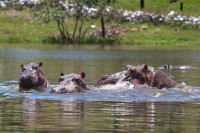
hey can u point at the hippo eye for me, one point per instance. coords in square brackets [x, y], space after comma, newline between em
[23, 69]
[104, 78]
[34, 68]
[138, 76]
[77, 80]
[60, 79]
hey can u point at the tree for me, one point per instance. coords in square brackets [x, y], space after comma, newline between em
[62, 11]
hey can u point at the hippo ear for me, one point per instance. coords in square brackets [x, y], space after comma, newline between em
[40, 64]
[82, 75]
[128, 66]
[61, 74]
[145, 68]
[22, 65]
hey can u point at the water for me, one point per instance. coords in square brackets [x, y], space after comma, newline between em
[119, 108]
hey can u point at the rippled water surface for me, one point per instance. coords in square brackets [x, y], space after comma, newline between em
[106, 109]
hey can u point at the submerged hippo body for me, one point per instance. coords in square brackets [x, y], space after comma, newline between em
[181, 67]
[32, 77]
[150, 76]
[110, 79]
[70, 83]
[161, 80]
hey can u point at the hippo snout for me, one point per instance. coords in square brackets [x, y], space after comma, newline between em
[61, 90]
[28, 81]
[52, 90]
[27, 78]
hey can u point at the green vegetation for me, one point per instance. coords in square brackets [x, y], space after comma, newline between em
[162, 34]
[190, 7]
[20, 27]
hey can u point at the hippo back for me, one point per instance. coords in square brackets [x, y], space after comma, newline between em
[161, 80]
[110, 79]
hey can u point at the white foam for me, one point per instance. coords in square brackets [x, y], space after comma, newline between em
[158, 94]
[117, 86]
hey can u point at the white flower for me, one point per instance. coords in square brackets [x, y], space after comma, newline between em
[171, 13]
[93, 26]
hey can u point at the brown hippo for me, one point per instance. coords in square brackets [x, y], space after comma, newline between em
[148, 75]
[32, 77]
[121, 76]
[139, 75]
[181, 67]
[70, 83]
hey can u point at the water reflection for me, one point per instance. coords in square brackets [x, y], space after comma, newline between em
[72, 115]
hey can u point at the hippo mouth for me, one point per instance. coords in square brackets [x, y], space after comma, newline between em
[64, 90]
[68, 89]
[28, 82]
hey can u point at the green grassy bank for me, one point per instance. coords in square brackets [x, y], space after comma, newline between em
[190, 7]
[19, 27]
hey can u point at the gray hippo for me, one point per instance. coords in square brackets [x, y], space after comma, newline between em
[32, 77]
[181, 67]
[70, 83]
[150, 76]
[110, 79]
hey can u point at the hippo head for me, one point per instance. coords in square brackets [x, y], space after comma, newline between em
[106, 79]
[139, 76]
[70, 83]
[31, 76]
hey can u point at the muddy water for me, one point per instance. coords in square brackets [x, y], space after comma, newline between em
[108, 109]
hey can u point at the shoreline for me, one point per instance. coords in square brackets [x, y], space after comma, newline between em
[143, 47]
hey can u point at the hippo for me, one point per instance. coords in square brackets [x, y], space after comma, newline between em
[181, 67]
[120, 76]
[110, 79]
[150, 76]
[32, 77]
[161, 80]
[70, 83]
[139, 75]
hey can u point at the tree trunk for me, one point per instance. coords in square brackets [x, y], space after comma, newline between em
[80, 29]
[62, 35]
[102, 27]
[77, 19]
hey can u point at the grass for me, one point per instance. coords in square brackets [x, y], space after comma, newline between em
[190, 7]
[162, 34]
[19, 27]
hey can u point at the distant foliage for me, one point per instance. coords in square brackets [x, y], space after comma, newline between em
[62, 11]
[173, 1]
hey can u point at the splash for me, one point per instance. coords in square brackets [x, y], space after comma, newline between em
[118, 86]
[187, 89]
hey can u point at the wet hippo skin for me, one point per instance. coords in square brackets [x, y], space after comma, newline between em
[110, 79]
[32, 76]
[70, 83]
[150, 76]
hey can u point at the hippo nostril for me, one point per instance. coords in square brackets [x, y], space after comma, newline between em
[62, 90]
[52, 90]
